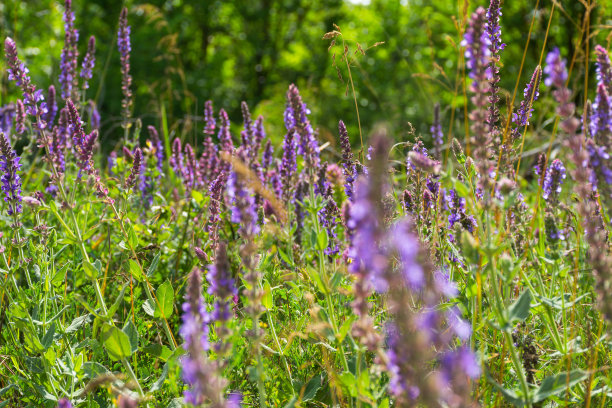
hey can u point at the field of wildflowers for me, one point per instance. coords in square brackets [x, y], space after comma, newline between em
[438, 270]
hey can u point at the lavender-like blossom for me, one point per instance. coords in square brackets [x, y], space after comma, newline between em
[223, 288]
[288, 165]
[244, 211]
[555, 69]
[553, 180]
[493, 31]
[19, 73]
[201, 374]
[296, 119]
[64, 403]
[111, 161]
[601, 117]
[125, 47]
[477, 55]
[7, 114]
[247, 133]
[51, 107]
[209, 119]
[348, 161]
[135, 170]
[436, 131]
[190, 172]
[209, 161]
[601, 174]
[259, 134]
[604, 71]
[10, 180]
[158, 149]
[521, 117]
[89, 62]
[177, 161]
[20, 117]
[70, 54]
[556, 76]
[83, 144]
[267, 156]
[225, 137]
[217, 186]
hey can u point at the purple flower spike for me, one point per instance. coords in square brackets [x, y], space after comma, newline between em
[225, 137]
[493, 31]
[89, 62]
[601, 118]
[555, 69]
[51, 107]
[19, 73]
[10, 180]
[83, 144]
[209, 119]
[553, 180]
[288, 164]
[125, 47]
[20, 117]
[222, 285]
[158, 149]
[604, 72]
[177, 160]
[136, 169]
[348, 161]
[64, 403]
[436, 131]
[296, 119]
[244, 211]
[70, 52]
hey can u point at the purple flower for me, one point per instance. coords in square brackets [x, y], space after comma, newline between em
[476, 42]
[158, 149]
[407, 246]
[125, 47]
[89, 62]
[348, 161]
[259, 134]
[244, 211]
[599, 163]
[521, 117]
[51, 106]
[83, 144]
[458, 364]
[136, 169]
[70, 52]
[225, 137]
[436, 131]
[555, 69]
[296, 119]
[604, 72]
[600, 125]
[553, 180]
[19, 73]
[209, 119]
[10, 180]
[288, 165]
[267, 156]
[222, 285]
[64, 403]
[20, 117]
[177, 160]
[217, 186]
[493, 31]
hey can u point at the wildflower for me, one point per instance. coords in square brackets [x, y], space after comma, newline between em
[51, 106]
[223, 288]
[334, 175]
[288, 164]
[136, 169]
[70, 52]
[348, 161]
[601, 117]
[83, 144]
[436, 131]
[177, 160]
[19, 73]
[267, 156]
[7, 114]
[125, 47]
[19, 117]
[493, 32]
[158, 149]
[296, 119]
[64, 403]
[225, 138]
[259, 134]
[88, 62]
[209, 119]
[604, 72]
[10, 180]
[521, 117]
[553, 181]
[216, 189]
[244, 211]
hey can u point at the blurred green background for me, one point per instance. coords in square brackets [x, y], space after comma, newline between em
[188, 51]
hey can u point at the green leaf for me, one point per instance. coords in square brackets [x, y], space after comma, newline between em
[157, 350]
[312, 388]
[132, 237]
[349, 382]
[135, 270]
[116, 342]
[154, 264]
[132, 334]
[556, 384]
[77, 323]
[93, 369]
[267, 300]
[47, 339]
[284, 257]
[160, 381]
[91, 271]
[519, 310]
[322, 240]
[149, 308]
[115, 306]
[165, 300]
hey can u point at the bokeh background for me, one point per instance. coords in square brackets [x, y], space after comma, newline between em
[188, 51]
